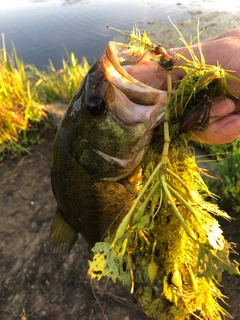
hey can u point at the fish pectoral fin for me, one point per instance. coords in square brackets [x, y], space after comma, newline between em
[62, 235]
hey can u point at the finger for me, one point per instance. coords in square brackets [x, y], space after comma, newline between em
[222, 131]
[221, 109]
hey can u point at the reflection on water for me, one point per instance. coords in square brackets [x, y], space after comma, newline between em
[73, 1]
[37, 1]
[41, 28]
[63, 1]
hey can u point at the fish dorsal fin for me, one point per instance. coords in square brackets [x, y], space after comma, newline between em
[62, 235]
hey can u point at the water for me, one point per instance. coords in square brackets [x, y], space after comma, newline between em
[41, 29]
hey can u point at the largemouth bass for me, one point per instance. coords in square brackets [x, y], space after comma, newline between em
[100, 146]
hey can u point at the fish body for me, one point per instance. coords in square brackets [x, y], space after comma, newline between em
[99, 148]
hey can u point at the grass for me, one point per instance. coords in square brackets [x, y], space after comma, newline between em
[18, 102]
[227, 168]
[23, 91]
[61, 84]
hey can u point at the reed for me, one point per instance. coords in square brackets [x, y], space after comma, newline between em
[23, 91]
[61, 85]
[18, 102]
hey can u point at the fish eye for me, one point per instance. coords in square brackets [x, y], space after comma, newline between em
[96, 106]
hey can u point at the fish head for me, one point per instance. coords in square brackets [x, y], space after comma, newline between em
[111, 118]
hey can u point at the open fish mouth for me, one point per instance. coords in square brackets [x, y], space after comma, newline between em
[139, 72]
[135, 77]
[137, 69]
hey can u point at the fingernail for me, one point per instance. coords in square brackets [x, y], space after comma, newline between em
[232, 128]
[231, 104]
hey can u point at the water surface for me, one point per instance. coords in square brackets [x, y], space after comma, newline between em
[40, 29]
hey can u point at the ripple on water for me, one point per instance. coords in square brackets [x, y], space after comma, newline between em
[40, 29]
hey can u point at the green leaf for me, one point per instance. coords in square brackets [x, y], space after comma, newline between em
[108, 262]
[103, 263]
[214, 262]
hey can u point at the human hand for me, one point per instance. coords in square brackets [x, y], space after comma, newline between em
[224, 124]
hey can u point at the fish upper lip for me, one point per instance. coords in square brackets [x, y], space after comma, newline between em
[112, 53]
